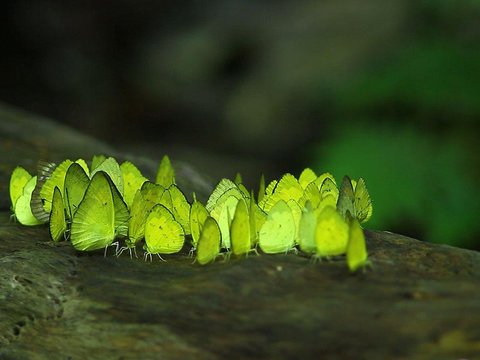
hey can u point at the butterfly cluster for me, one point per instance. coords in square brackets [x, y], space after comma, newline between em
[93, 206]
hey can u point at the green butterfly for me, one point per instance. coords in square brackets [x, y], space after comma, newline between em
[331, 233]
[354, 199]
[288, 188]
[240, 232]
[307, 176]
[221, 206]
[101, 216]
[198, 215]
[132, 181]
[307, 228]
[208, 247]
[166, 173]
[58, 222]
[357, 256]
[18, 180]
[110, 166]
[21, 188]
[76, 183]
[277, 234]
[163, 234]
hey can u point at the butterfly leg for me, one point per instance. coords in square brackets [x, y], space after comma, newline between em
[316, 259]
[162, 259]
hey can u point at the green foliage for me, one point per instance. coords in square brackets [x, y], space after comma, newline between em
[414, 179]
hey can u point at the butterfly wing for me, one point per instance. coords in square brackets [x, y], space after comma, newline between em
[166, 173]
[23, 211]
[306, 232]
[346, 198]
[57, 223]
[240, 234]
[208, 246]
[132, 181]
[163, 234]
[363, 203]
[277, 234]
[198, 215]
[76, 183]
[93, 225]
[180, 207]
[18, 180]
[357, 256]
[111, 167]
[331, 233]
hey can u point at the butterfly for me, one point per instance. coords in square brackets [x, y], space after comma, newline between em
[240, 232]
[331, 233]
[198, 215]
[132, 181]
[354, 199]
[21, 188]
[58, 223]
[357, 256]
[166, 173]
[208, 247]
[163, 234]
[277, 234]
[101, 216]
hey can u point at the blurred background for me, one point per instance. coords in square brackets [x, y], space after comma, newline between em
[386, 90]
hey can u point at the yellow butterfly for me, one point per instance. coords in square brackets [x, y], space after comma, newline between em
[93, 225]
[163, 234]
[288, 188]
[307, 228]
[53, 176]
[277, 234]
[357, 256]
[208, 247]
[22, 185]
[180, 207]
[97, 160]
[75, 185]
[165, 173]
[354, 200]
[132, 181]
[307, 176]
[58, 222]
[198, 215]
[112, 169]
[240, 233]
[331, 233]
[18, 180]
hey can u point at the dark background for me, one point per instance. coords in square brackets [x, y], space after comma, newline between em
[389, 91]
